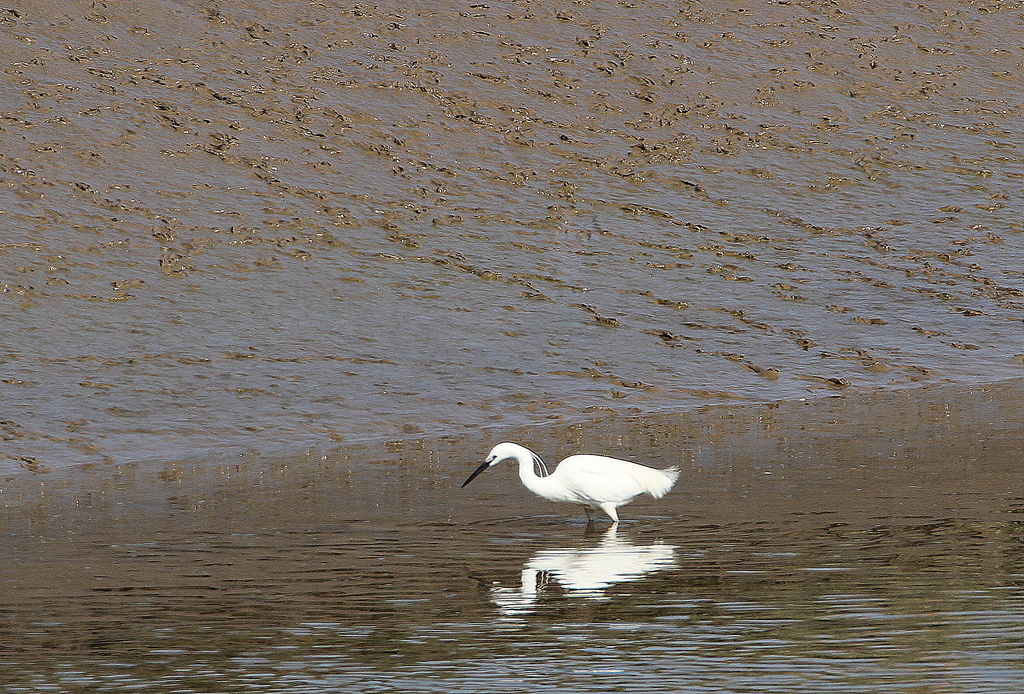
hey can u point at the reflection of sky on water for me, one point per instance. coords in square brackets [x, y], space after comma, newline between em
[584, 572]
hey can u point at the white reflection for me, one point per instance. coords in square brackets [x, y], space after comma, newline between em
[584, 572]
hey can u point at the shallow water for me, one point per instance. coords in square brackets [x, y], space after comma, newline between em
[273, 227]
[850, 544]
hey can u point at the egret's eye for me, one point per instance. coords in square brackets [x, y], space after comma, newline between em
[490, 459]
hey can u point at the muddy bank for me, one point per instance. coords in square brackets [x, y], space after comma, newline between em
[961, 429]
[232, 228]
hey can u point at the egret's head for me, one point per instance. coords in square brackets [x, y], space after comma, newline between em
[499, 453]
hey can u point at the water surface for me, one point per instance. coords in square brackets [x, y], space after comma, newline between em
[850, 544]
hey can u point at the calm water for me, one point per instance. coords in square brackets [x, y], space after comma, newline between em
[856, 544]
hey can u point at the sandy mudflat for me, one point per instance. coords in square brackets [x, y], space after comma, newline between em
[277, 228]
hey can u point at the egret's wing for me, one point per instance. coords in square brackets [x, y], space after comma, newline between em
[593, 482]
[599, 478]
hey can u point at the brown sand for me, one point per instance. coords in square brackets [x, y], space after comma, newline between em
[270, 227]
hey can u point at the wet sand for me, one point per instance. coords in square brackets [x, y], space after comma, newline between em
[848, 544]
[235, 229]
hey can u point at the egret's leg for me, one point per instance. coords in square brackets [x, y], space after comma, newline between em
[609, 508]
[590, 515]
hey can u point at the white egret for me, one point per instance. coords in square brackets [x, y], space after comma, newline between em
[592, 481]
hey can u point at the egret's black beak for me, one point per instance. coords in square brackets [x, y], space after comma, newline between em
[476, 472]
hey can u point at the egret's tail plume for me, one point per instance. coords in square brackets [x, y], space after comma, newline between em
[666, 478]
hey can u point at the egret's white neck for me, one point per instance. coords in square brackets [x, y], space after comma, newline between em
[534, 482]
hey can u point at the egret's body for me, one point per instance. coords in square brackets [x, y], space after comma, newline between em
[592, 481]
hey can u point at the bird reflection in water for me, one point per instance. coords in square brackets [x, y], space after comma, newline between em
[584, 573]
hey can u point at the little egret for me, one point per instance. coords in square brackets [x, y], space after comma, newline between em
[593, 481]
